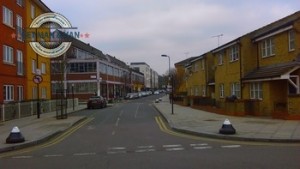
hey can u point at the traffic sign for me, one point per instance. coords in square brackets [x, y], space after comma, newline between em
[37, 79]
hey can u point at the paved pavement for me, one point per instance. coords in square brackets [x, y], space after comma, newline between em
[188, 120]
[37, 130]
[184, 119]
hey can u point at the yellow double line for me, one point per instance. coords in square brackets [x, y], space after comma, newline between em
[162, 126]
[52, 142]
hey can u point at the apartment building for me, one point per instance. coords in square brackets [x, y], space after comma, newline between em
[255, 74]
[146, 70]
[13, 50]
[36, 64]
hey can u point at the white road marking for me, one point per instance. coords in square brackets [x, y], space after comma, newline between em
[117, 123]
[117, 148]
[53, 155]
[116, 152]
[150, 146]
[175, 149]
[197, 145]
[144, 150]
[121, 113]
[136, 111]
[174, 145]
[22, 157]
[113, 133]
[231, 146]
[84, 154]
[202, 148]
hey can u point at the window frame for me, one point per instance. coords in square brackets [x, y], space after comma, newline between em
[256, 91]
[292, 40]
[19, 27]
[8, 93]
[20, 62]
[236, 89]
[222, 91]
[8, 54]
[234, 53]
[6, 12]
[268, 47]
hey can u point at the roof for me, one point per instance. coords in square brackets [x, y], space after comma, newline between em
[272, 71]
[186, 61]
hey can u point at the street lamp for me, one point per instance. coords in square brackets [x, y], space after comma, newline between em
[73, 96]
[172, 93]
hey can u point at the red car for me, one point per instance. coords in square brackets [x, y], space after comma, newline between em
[96, 102]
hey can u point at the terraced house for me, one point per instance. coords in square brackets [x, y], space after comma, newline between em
[255, 74]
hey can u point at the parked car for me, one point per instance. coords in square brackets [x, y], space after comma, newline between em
[96, 102]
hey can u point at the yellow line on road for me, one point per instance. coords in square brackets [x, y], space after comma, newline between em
[52, 142]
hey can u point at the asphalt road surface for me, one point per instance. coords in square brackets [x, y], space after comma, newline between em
[132, 135]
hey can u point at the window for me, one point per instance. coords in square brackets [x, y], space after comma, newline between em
[221, 90]
[195, 66]
[7, 16]
[32, 11]
[268, 47]
[44, 93]
[235, 90]
[8, 54]
[202, 64]
[203, 90]
[234, 53]
[196, 90]
[220, 59]
[33, 66]
[291, 40]
[43, 68]
[34, 92]
[20, 93]
[8, 92]
[20, 63]
[20, 2]
[256, 91]
[19, 28]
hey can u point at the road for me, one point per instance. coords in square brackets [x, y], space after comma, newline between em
[132, 135]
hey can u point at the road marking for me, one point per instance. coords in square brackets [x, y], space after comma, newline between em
[117, 148]
[84, 154]
[145, 146]
[22, 157]
[175, 149]
[170, 146]
[113, 133]
[145, 150]
[116, 152]
[136, 111]
[202, 148]
[117, 123]
[121, 113]
[231, 146]
[197, 145]
[53, 155]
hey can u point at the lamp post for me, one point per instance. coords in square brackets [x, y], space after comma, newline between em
[172, 93]
[73, 96]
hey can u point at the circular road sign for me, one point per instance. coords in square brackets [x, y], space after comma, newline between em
[37, 79]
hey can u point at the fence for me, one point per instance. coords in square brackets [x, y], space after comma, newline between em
[17, 110]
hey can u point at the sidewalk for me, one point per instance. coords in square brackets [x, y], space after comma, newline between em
[192, 121]
[37, 130]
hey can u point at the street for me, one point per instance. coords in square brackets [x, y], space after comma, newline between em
[132, 135]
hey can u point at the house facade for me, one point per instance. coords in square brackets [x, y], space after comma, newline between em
[36, 64]
[13, 51]
[255, 74]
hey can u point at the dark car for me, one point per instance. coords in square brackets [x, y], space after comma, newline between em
[96, 102]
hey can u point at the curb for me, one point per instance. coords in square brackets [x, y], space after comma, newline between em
[41, 140]
[223, 137]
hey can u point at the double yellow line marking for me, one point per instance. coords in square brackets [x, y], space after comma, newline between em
[162, 126]
[52, 142]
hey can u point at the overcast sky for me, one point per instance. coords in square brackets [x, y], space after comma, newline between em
[142, 30]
